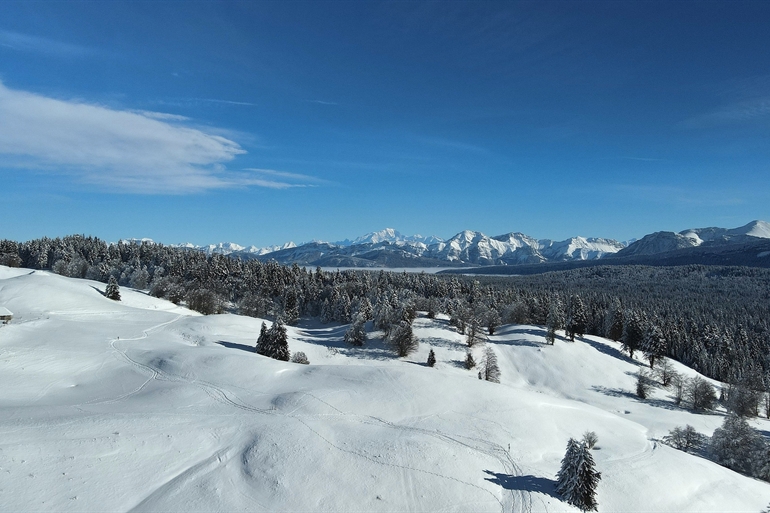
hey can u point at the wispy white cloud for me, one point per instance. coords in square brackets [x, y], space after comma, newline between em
[742, 111]
[161, 115]
[453, 145]
[284, 179]
[321, 102]
[118, 150]
[228, 102]
[28, 43]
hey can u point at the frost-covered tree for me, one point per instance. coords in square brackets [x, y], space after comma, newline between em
[633, 333]
[590, 438]
[402, 339]
[474, 333]
[577, 478]
[113, 290]
[554, 320]
[431, 358]
[577, 319]
[737, 446]
[274, 342]
[665, 372]
[493, 320]
[700, 394]
[300, 357]
[613, 328]
[279, 341]
[684, 438]
[263, 343]
[653, 344]
[469, 361]
[490, 371]
[643, 385]
[356, 333]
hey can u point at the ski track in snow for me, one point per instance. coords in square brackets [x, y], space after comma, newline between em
[221, 396]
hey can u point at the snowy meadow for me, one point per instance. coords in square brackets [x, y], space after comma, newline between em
[143, 405]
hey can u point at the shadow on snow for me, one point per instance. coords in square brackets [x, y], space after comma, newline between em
[524, 483]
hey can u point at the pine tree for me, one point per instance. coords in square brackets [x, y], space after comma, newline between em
[403, 340]
[577, 480]
[474, 333]
[113, 290]
[554, 321]
[273, 342]
[431, 358]
[279, 341]
[577, 319]
[632, 333]
[469, 361]
[736, 445]
[489, 369]
[653, 343]
[356, 333]
[642, 384]
[263, 342]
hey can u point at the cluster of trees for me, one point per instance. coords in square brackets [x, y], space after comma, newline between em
[273, 342]
[713, 319]
[735, 445]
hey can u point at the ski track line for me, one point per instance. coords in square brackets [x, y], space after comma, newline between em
[219, 395]
[395, 465]
[213, 391]
[495, 450]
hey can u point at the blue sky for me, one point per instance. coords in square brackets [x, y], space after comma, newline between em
[264, 122]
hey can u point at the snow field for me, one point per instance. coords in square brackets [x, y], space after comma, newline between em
[144, 406]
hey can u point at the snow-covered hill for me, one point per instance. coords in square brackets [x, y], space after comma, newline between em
[145, 406]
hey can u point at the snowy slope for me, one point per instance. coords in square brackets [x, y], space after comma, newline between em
[144, 406]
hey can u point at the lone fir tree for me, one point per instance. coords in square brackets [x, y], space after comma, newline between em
[577, 480]
[431, 358]
[273, 342]
[113, 290]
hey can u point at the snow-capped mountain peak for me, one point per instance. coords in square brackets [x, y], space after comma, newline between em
[388, 235]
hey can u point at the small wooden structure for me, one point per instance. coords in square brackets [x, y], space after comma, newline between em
[5, 315]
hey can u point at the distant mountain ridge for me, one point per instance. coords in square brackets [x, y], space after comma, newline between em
[389, 248]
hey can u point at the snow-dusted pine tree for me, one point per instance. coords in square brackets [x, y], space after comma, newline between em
[469, 361]
[653, 343]
[113, 290]
[263, 341]
[356, 333]
[577, 480]
[489, 369]
[402, 339]
[577, 318]
[279, 342]
[554, 321]
[431, 358]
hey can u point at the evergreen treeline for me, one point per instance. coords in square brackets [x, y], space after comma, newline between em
[713, 319]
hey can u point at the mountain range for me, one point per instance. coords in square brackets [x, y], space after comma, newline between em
[389, 248]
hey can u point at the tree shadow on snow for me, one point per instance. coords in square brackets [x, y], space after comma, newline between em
[617, 392]
[233, 345]
[441, 342]
[103, 293]
[524, 483]
[519, 343]
[611, 351]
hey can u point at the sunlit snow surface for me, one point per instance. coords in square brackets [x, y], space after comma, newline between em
[145, 406]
